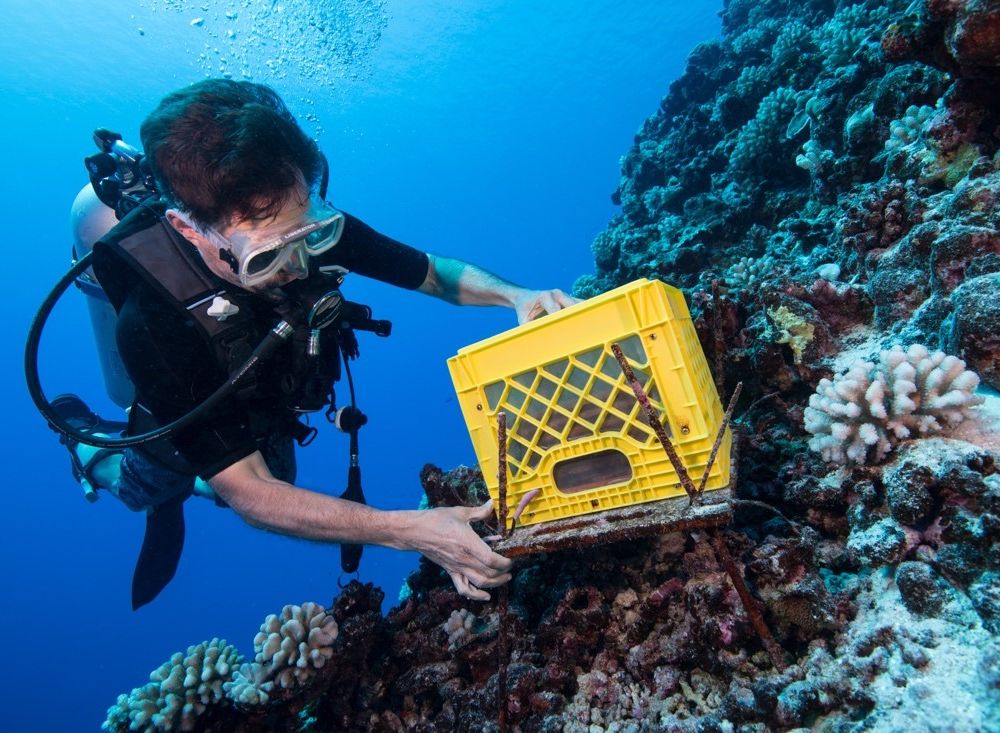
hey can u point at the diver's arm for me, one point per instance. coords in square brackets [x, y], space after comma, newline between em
[442, 535]
[465, 284]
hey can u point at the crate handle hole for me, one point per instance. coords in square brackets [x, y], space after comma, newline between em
[603, 468]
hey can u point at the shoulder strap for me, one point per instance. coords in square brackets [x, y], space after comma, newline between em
[144, 247]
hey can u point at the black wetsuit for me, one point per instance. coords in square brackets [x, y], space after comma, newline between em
[174, 370]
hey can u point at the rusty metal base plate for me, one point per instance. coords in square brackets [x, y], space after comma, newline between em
[620, 525]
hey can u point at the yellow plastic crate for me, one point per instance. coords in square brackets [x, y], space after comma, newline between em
[574, 427]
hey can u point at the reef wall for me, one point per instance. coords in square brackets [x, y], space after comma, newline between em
[823, 183]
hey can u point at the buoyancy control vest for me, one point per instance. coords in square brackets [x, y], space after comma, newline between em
[144, 250]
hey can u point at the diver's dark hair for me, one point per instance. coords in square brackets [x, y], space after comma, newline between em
[223, 149]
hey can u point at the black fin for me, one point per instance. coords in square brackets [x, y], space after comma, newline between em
[160, 553]
[75, 412]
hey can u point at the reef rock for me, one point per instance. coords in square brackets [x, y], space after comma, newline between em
[974, 328]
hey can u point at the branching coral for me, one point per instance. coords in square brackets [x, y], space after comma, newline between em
[752, 84]
[749, 273]
[906, 130]
[880, 215]
[756, 37]
[844, 34]
[861, 414]
[761, 142]
[289, 649]
[792, 42]
[178, 691]
[813, 157]
[932, 144]
[458, 627]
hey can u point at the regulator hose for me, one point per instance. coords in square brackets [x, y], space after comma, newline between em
[275, 337]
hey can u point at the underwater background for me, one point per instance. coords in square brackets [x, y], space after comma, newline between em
[819, 178]
[491, 131]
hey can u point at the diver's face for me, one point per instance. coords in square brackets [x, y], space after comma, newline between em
[262, 254]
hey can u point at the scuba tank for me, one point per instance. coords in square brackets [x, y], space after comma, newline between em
[119, 180]
[90, 219]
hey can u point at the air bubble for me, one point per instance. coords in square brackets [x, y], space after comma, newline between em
[318, 43]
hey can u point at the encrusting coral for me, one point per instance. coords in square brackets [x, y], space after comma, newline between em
[861, 414]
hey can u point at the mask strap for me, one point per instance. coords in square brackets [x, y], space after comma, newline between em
[226, 253]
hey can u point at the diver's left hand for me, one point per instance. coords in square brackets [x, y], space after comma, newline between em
[444, 537]
[531, 304]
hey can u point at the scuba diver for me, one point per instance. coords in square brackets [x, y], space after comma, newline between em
[222, 285]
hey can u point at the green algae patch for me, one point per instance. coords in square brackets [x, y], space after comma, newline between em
[793, 330]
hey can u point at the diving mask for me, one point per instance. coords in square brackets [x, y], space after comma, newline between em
[258, 254]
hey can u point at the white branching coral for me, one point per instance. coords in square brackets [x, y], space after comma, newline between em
[908, 128]
[860, 415]
[813, 157]
[290, 648]
[750, 273]
[458, 627]
[178, 691]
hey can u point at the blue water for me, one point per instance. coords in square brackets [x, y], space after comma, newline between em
[490, 132]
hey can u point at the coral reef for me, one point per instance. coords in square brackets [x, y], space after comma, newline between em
[458, 627]
[889, 619]
[823, 183]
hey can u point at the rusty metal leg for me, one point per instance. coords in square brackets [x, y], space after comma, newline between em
[503, 599]
[718, 345]
[654, 422]
[502, 471]
[718, 437]
[749, 602]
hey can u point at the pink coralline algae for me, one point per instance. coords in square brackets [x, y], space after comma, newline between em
[959, 36]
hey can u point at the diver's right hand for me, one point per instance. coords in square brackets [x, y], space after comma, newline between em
[444, 537]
